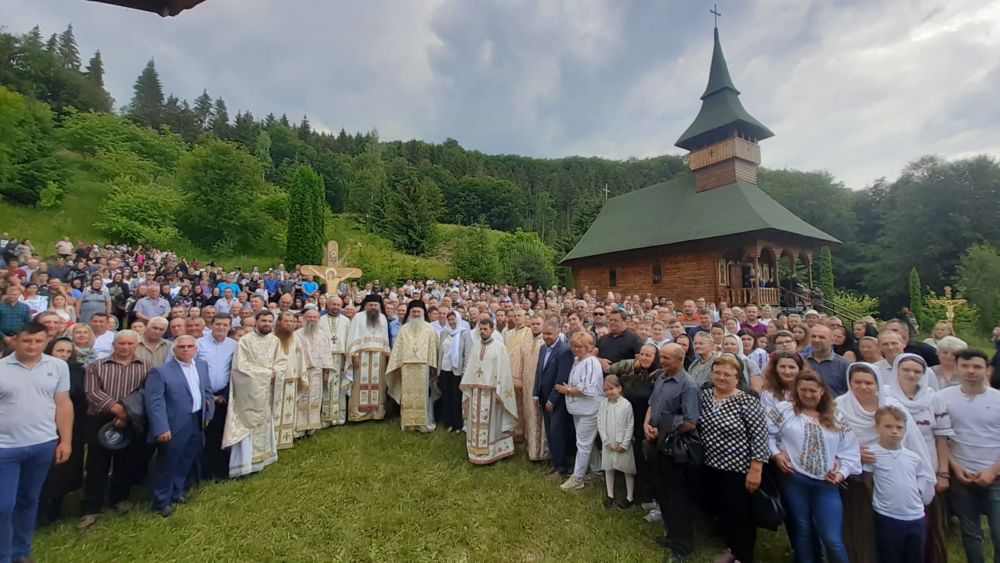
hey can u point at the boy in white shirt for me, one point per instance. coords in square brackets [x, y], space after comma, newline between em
[904, 484]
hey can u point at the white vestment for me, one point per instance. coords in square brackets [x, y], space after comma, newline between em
[249, 427]
[409, 378]
[368, 346]
[489, 403]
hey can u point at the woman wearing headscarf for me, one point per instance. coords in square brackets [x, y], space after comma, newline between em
[914, 389]
[64, 478]
[455, 345]
[865, 395]
[750, 376]
[637, 377]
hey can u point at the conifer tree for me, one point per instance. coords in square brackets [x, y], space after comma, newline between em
[147, 101]
[95, 69]
[203, 111]
[305, 218]
[220, 120]
[69, 53]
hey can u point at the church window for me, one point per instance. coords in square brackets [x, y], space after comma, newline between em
[723, 273]
[657, 273]
[613, 277]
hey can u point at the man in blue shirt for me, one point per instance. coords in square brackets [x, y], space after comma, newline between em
[217, 350]
[13, 315]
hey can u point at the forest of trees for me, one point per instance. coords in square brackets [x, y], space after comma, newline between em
[51, 102]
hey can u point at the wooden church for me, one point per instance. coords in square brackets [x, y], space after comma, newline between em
[713, 233]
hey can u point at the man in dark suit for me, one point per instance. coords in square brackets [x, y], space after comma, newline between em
[554, 364]
[179, 403]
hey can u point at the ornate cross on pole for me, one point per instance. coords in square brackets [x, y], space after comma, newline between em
[716, 13]
[333, 272]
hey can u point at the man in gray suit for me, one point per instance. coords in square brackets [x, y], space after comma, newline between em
[179, 403]
[554, 362]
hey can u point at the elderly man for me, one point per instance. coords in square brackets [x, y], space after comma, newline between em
[289, 376]
[217, 351]
[831, 366]
[153, 348]
[411, 375]
[552, 368]
[335, 383]
[488, 398]
[36, 427]
[315, 343]
[108, 382]
[13, 314]
[152, 305]
[531, 413]
[179, 403]
[250, 420]
[368, 349]
[516, 338]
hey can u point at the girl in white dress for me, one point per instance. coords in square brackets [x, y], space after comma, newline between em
[615, 423]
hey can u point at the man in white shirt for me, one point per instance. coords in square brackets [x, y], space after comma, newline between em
[36, 426]
[216, 349]
[104, 337]
[975, 452]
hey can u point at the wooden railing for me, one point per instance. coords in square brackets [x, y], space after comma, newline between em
[748, 295]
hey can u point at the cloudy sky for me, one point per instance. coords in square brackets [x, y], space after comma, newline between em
[855, 87]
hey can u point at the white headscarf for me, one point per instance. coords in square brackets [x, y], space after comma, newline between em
[455, 352]
[862, 422]
[925, 391]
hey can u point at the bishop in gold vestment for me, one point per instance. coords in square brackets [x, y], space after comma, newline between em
[411, 376]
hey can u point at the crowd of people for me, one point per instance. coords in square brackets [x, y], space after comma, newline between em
[130, 366]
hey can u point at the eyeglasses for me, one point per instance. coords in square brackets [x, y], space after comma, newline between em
[596, 314]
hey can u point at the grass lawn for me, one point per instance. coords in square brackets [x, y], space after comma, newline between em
[370, 492]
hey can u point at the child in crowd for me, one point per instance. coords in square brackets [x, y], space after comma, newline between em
[615, 423]
[904, 484]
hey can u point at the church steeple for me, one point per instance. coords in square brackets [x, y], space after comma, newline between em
[723, 137]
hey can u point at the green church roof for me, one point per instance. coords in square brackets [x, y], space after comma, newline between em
[721, 110]
[673, 212]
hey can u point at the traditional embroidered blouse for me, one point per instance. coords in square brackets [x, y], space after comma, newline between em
[733, 431]
[812, 449]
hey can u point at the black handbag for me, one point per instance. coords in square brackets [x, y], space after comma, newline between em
[766, 507]
[685, 449]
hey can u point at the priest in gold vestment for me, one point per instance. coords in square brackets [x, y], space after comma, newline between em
[515, 339]
[488, 399]
[249, 427]
[289, 377]
[534, 429]
[411, 376]
[367, 350]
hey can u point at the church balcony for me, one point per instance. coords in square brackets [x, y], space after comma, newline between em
[757, 296]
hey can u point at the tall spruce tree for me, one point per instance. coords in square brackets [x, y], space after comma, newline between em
[69, 53]
[147, 102]
[95, 69]
[220, 119]
[203, 111]
[304, 243]
[916, 296]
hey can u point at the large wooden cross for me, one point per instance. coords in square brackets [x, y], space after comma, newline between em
[333, 271]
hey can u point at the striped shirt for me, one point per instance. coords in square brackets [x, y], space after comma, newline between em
[108, 382]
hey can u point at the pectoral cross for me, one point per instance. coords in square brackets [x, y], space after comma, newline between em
[333, 272]
[716, 13]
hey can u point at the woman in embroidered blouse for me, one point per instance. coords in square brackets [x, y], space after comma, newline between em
[914, 389]
[865, 396]
[817, 451]
[779, 378]
[734, 434]
[583, 391]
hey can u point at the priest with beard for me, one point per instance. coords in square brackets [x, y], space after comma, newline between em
[411, 376]
[249, 427]
[368, 348]
[335, 383]
[531, 415]
[315, 343]
[289, 377]
[488, 399]
[515, 339]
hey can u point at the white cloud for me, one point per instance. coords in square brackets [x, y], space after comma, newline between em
[858, 88]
